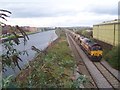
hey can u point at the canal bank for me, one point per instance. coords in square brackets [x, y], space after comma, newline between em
[11, 37]
[39, 40]
[52, 68]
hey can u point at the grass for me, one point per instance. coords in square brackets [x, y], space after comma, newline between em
[112, 57]
[28, 33]
[50, 70]
[11, 36]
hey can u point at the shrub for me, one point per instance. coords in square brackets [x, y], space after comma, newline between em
[113, 58]
[85, 33]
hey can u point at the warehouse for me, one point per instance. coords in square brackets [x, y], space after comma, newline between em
[107, 32]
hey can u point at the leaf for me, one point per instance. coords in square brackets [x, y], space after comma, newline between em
[9, 77]
[2, 14]
[6, 82]
[3, 18]
[5, 11]
[25, 52]
[22, 32]
[8, 52]
[16, 40]
[19, 58]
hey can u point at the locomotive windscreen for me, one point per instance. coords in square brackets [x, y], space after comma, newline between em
[96, 47]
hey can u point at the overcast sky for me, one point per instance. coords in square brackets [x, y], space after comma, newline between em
[60, 12]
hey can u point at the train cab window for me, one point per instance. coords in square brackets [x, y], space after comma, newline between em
[100, 48]
[96, 48]
[89, 41]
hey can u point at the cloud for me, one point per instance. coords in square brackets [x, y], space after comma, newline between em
[60, 12]
[39, 12]
[40, 8]
[55, 8]
[31, 10]
[82, 19]
[109, 9]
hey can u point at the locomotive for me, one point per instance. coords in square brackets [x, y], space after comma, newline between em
[92, 49]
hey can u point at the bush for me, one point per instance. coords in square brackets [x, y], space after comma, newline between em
[85, 33]
[52, 70]
[113, 58]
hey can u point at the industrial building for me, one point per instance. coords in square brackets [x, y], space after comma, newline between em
[107, 32]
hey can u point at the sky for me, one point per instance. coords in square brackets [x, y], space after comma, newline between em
[59, 13]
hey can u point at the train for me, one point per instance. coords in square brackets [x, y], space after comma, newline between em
[91, 48]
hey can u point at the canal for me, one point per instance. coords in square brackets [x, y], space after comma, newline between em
[39, 40]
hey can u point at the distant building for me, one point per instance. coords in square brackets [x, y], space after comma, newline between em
[107, 32]
[33, 29]
[29, 29]
[6, 29]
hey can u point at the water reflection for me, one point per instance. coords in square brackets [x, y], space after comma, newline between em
[39, 40]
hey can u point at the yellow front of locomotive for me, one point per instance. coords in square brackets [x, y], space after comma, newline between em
[96, 53]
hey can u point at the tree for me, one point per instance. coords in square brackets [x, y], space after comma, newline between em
[3, 14]
[10, 55]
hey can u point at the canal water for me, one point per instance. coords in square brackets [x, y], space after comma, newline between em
[39, 40]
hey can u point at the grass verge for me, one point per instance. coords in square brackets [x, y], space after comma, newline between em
[53, 69]
[112, 57]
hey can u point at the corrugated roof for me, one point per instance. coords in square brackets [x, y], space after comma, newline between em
[110, 22]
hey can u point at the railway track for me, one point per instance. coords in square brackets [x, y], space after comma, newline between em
[109, 76]
[100, 74]
[81, 68]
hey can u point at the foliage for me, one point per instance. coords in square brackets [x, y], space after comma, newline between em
[7, 82]
[10, 55]
[85, 33]
[51, 70]
[79, 81]
[112, 57]
[3, 14]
